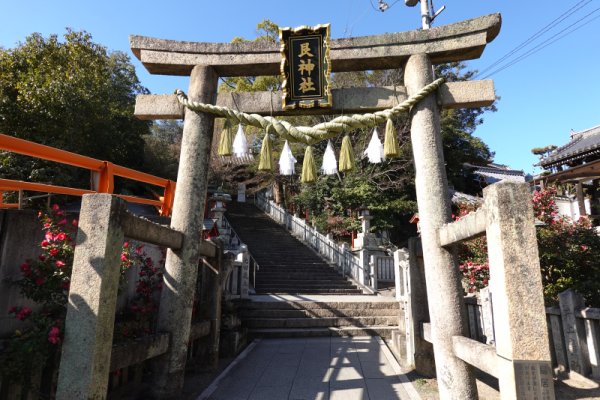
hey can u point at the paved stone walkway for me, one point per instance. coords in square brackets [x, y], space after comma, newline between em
[329, 368]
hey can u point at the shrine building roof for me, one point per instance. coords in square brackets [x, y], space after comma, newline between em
[582, 145]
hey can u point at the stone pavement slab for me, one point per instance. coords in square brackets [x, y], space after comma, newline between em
[355, 368]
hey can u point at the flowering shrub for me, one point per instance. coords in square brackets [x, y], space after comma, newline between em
[544, 206]
[569, 252]
[473, 259]
[46, 280]
[139, 318]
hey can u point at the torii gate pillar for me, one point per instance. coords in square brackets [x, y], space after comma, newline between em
[444, 293]
[181, 266]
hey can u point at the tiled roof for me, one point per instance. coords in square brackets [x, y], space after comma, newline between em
[498, 172]
[581, 144]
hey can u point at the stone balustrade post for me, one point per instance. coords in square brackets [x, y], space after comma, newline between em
[520, 330]
[574, 330]
[86, 351]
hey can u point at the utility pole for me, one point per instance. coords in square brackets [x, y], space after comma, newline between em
[425, 16]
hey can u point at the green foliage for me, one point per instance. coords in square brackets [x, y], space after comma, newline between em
[162, 148]
[267, 32]
[71, 94]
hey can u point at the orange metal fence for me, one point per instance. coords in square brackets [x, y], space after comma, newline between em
[106, 172]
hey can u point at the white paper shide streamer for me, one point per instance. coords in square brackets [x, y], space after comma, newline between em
[286, 160]
[329, 166]
[240, 145]
[374, 150]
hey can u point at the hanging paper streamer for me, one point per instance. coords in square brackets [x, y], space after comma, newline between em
[286, 161]
[329, 166]
[346, 155]
[390, 144]
[375, 149]
[226, 142]
[266, 156]
[309, 170]
[240, 145]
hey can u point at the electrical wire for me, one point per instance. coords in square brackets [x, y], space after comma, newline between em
[547, 42]
[536, 35]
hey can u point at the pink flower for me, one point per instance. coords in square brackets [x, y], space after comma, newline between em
[42, 257]
[53, 252]
[138, 250]
[62, 221]
[124, 257]
[53, 335]
[49, 236]
[126, 244]
[45, 243]
[59, 264]
[584, 247]
[61, 236]
[23, 313]
[55, 207]
[74, 222]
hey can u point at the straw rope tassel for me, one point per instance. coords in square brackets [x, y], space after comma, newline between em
[346, 163]
[226, 142]
[390, 145]
[309, 169]
[266, 155]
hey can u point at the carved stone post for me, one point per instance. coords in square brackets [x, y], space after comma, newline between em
[444, 292]
[90, 319]
[188, 207]
[521, 333]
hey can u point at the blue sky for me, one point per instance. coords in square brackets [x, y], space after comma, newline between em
[543, 97]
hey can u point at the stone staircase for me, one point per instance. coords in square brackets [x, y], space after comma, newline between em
[297, 293]
[362, 316]
[286, 265]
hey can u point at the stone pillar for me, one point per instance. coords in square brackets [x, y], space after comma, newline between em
[581, 200]
[419, 351]
[89, 326]
[444, 292]
[181, 266]
[214, 286]
[570, 303]
[520, 330]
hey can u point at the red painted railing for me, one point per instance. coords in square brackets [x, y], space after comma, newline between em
[105, 169]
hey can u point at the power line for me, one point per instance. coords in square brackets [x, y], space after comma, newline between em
[547, 42]
[536, 35]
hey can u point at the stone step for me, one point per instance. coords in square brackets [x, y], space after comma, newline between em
[265, 323]
[260, 283]
[327, 305]
[383, 331]
[276, 290]
[320, 313]
[283, 277]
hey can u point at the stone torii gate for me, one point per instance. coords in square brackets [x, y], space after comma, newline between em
[416, 52]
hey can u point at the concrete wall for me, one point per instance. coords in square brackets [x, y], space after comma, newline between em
[570, 208]
[20, 236]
